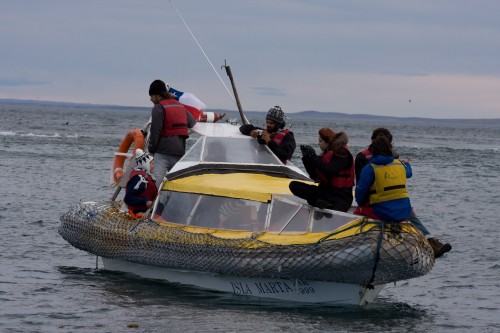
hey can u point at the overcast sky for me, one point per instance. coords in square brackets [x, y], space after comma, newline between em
[370, 57]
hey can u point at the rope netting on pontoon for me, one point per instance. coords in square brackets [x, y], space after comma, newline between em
[374, 256]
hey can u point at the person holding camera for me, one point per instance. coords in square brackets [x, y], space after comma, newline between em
[280, 140]
[333, 169]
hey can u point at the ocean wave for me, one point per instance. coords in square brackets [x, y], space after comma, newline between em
[55, 135]
[463, 148]
[38, 135]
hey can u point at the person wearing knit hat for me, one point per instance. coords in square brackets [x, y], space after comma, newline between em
[170, 124]
[143, 161]
[333, 169]
[281, 141]
[141, 189]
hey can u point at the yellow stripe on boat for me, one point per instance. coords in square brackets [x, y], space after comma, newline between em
[351, 229]
[248, 186]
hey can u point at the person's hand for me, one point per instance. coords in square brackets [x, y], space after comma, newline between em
[265, 136]
[303, 150]
[254, 133]
[307, 151]
[405, 160]
[149, 203]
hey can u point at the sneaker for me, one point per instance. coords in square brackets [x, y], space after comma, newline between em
[438, 247]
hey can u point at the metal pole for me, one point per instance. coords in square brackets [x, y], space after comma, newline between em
[244, 119]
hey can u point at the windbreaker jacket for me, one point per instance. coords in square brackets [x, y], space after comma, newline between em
[392, 210]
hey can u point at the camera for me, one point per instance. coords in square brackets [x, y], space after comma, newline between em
[259, 132]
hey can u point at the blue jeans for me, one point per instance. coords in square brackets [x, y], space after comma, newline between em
[418, 224]
[162, 164]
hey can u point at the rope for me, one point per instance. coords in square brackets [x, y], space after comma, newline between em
[369, 285]
[360, 225]
[206, 57]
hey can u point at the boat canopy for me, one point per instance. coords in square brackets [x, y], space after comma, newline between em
[251, 186]
[221, 148]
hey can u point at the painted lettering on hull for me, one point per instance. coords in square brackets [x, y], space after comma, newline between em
[272, 287]
[240, 288]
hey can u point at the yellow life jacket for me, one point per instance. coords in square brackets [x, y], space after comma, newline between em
[389, 184]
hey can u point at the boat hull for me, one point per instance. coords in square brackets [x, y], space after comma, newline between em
[347, 270]
[294, 290]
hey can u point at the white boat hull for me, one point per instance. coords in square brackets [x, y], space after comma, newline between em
[279, 289]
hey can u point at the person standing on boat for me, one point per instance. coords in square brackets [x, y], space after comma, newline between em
[333, 169]
[141, 188]
[362, 159]
[170, 124]
[281, 141]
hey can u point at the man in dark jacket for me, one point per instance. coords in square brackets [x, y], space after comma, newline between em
[170, 123]
[281, 141]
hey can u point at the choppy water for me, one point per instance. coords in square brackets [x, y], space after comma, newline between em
[55, 156]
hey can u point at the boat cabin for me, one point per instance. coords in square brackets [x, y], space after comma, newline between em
[229, 181]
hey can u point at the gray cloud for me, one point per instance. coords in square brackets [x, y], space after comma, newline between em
[21, 82]
[330, 51]
[269, 91]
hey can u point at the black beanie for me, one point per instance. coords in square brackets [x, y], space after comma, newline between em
[157, 87]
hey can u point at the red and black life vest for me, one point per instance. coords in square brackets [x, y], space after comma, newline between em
[367, 153]
[345, 178]
[151, 190]
[279, 136]
[176, 122]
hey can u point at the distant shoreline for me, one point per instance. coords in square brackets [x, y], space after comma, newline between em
[234, 113]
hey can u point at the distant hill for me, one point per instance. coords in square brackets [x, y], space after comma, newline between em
[257, 114]
[338, 116]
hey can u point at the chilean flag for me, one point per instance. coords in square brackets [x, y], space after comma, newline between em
[195, 106]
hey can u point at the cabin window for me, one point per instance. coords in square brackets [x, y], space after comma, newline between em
[323, 221]
[226, 213]
[289, 217]
[208, 211]
[230, 150]
[194, 152]
[174, 207]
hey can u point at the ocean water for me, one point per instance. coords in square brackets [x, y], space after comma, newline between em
[53, 156]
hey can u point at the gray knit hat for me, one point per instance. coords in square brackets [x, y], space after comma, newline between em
[277, 116]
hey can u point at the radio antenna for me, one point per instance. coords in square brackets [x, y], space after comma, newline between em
[203, 51]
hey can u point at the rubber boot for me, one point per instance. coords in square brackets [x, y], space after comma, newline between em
[438, 247]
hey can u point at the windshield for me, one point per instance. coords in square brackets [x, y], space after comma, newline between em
[230, 150]
[281, 215]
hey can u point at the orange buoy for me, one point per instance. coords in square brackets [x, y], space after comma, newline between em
[135, 137]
